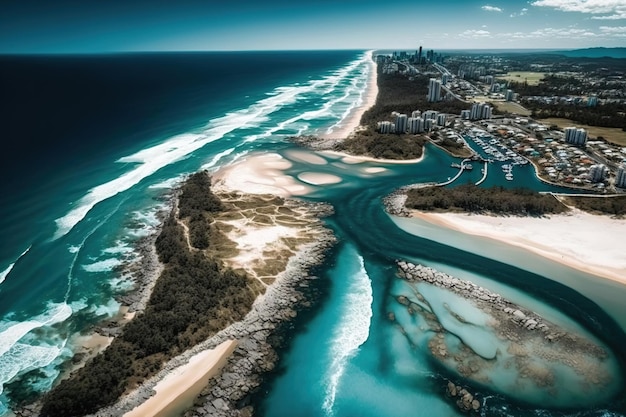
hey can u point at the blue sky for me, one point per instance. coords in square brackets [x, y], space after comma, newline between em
[64, 26]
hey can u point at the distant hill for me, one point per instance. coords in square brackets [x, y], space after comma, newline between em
[595, 53]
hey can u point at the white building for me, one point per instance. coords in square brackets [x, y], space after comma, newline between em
[416, 114]
[434, 90]
[465, 114]
[620, 179]
[480, 111]
[431, 115]
[416, 125]
[598, 172]
[575, 136]
[401, 123]
[386, 127]
[441, 119]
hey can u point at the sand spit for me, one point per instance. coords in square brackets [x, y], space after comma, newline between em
[286, 239]
[170, 392]
[583, 241]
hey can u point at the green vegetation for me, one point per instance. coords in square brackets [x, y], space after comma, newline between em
[397, 92]
[605, 115]
[529, 77]
[474, 199]
[610, 134]
[377, 145]
[193, 298]
[615, 206]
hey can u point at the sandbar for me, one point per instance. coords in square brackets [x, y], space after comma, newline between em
[317, 178]
[193, 375]
[259, 174]
[583, 241]
[308, 157]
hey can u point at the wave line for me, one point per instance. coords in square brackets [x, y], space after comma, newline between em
[4, 274]
[351, 333]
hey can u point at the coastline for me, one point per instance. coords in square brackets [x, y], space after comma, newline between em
[256, 336]
[569, 239]
[353, 120]
[175, 390]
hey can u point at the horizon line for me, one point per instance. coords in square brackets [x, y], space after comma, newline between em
[154, 51]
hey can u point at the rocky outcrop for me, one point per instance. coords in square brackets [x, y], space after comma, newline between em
[466, 401]
[484, 298]
[394, 203]
[519, 342]
[315, 143]
[258, 334]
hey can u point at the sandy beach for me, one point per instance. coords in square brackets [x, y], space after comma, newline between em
[175, 390]
[352, 121]
[587, 242]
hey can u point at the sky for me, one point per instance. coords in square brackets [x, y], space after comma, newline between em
[93, 26]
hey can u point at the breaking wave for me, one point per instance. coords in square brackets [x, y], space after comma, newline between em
[7, 271]
[148, 161]
[352, 332]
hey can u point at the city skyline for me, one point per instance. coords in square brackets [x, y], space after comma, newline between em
[77, 27]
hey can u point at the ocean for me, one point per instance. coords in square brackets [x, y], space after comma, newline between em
[95, 142]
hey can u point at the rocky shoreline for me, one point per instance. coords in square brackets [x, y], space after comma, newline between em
[315, 143]
[394, 203]
[514, 321]
[503, 338]
[229, 393]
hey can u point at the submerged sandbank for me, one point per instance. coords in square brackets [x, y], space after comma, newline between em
[587, 242]
[186, 381]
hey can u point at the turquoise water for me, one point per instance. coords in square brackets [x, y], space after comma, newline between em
[392, 374]
[85, 214]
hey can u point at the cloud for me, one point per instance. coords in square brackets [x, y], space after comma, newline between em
[613, 29]
[614, 9]
[491, 9]
[522, 12]
[551, 33]
[475, 34]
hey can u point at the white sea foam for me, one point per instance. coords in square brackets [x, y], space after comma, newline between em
[150, 160]
[119, 248]
[168, 184]
[7, 271]
[105, 265]
[17, 357]
[217, 158]
[109, 309]
[351, 333]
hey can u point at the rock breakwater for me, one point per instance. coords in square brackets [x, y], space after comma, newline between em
[483, 338]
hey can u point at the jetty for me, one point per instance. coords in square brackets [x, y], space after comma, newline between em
[461, 169]
[484, 177]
